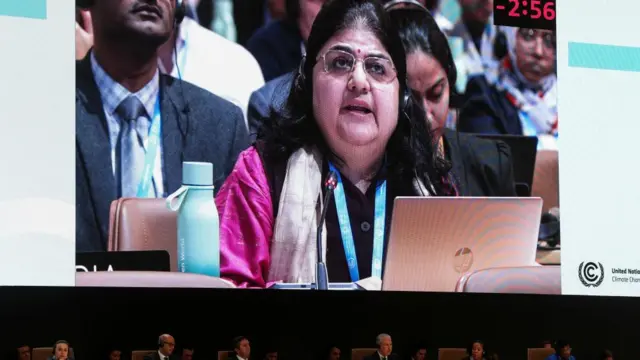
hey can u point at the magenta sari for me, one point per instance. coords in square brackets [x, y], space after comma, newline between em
[246, 222]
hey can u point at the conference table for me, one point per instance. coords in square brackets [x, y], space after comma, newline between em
[152, 279]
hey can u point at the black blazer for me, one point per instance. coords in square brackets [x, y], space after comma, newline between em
[482, 167]
[196, 126]
[487, 110]
[154, 356]
[376, 356]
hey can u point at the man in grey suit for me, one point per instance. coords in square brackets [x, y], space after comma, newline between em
[385, 348]
[134, 125]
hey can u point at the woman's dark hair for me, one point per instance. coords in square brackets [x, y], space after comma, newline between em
[420, 32]
[411, 148]
[292, 11]
[55, 346]
[470, 347]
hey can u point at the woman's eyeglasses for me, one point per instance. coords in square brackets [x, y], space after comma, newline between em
[340, 63]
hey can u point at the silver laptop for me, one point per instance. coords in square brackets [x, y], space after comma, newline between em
[434, 241]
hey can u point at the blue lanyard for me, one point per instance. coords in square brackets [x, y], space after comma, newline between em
[153, 142]
[347, 235]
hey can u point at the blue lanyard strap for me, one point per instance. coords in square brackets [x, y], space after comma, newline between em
[153, 142]
[347, 235]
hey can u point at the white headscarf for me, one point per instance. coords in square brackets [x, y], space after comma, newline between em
[537, 102]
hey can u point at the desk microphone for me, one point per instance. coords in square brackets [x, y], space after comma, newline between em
[322, 278]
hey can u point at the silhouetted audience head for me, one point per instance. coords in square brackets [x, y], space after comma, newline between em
[271, 355]
[563, 349]
[115, 354]
[476, 350]
[61, 350]
[419, 353]
[187, 353]
[334, 353]
[384, 344]
[606, 355]
[242, 347]
[166, 344]
[24, 352]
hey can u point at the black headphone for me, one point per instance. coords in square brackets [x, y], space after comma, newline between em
[160, 342]
[178, 15]
[55, 346]
[500, 44]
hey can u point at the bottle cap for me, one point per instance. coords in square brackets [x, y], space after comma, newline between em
[197, 173]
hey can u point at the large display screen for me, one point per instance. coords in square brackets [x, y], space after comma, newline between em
[308, 151]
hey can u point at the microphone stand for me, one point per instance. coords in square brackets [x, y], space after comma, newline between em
[322, 277]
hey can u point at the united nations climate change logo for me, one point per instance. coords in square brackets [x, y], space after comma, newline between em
[591, 274]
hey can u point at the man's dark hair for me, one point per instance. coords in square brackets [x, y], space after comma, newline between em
[606, 354]
[559, 345]
[237, 340]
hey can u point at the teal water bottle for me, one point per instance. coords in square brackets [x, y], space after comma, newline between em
[198, 221]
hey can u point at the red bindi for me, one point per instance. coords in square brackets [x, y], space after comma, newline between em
[358, 51]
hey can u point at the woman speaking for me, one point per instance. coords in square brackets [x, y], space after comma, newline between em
[349, 112]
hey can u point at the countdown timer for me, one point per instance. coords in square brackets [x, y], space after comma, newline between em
[532, 14]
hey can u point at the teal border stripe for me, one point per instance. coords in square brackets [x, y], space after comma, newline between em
[31, 9]
[604, 57]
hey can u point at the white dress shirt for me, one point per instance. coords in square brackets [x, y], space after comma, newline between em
[216, 64]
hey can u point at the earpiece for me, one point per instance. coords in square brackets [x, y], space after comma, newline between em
[300, 79]
[406, 100]
[500, 44]
[160, 342]
[180, 13]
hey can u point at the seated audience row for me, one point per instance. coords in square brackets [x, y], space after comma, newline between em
[166, 350]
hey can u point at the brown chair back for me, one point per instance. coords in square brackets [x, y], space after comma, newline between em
[140, 354]
[513, 280]
[361, 353]
[452, 353]
[224, 355]
[41, 353]
[150, 279]
[539, 353]
[143, 224]
[545, 179]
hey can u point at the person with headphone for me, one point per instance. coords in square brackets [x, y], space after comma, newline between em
[523, 98]
[61, 351]
[562, 351]
[210, 61]
[476, 351]
[166, 345]
[351, 123]
[135, 126]
[480, 167]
